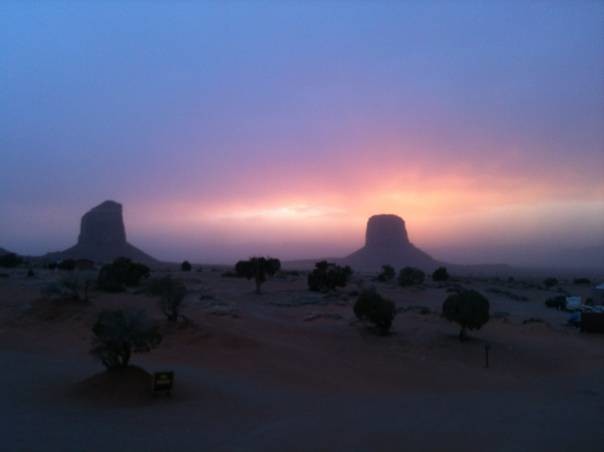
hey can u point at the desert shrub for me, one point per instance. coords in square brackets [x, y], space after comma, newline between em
[582, 281]
[10, 260]
[258, 268]
[387, 273]
[172, 293]
[440, 274]
[67, 264]
[327, 276]
[186, 266]
[558, 302]
[121, 273]
[119, 333]
[372, 307]
[72, 287]
[469, 309]
[411, 276]
[550, 282]
[78, 286]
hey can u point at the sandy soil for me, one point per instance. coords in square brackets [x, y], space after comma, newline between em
[293, 370]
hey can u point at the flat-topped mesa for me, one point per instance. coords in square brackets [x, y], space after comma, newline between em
[387, 242]
[385, 231]
[103, 226]
[103, 237]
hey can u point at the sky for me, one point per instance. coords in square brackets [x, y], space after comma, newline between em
[278, 127]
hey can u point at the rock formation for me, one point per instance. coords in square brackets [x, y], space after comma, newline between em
[103, 237]
[387, 242]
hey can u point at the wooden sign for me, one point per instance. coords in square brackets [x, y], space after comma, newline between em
[163, 382]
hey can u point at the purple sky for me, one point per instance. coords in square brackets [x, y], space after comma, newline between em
[231, 128]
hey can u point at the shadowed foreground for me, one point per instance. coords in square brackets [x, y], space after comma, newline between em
[270, 373]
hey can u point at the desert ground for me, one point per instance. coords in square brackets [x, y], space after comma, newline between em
[292, 370]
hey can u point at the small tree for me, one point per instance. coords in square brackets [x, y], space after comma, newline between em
[327, 276]
[372, 307]
[172, 294]
[121, 273]
[468, 308]
[10, 260]
[258, 268]
[119, 333]
[440, 274]
[387, 273]
[411, 276]
[550, 282]
[186, 266]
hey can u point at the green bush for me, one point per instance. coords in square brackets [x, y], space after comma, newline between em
[469, 309]
[119, 333]
[186, 266]
[372, 307]
[440, 274]
[258, 268]
[122, 273]
[558, 302]
[411, 276]
[387, 273]
[327, 276]
[550, 282]
[10, 260]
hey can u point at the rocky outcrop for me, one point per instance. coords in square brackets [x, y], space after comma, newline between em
[103, 237]
[387, 242]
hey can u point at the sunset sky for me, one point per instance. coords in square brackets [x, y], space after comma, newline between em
[232, 128]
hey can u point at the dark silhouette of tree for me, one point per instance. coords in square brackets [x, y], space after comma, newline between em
[469, 309]
[388, 273]
[372, 307]
[122, 273]
[411, 276]
[327, 276]
[259, 269]
[119, 333]
[440, 274]
[186, 266]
